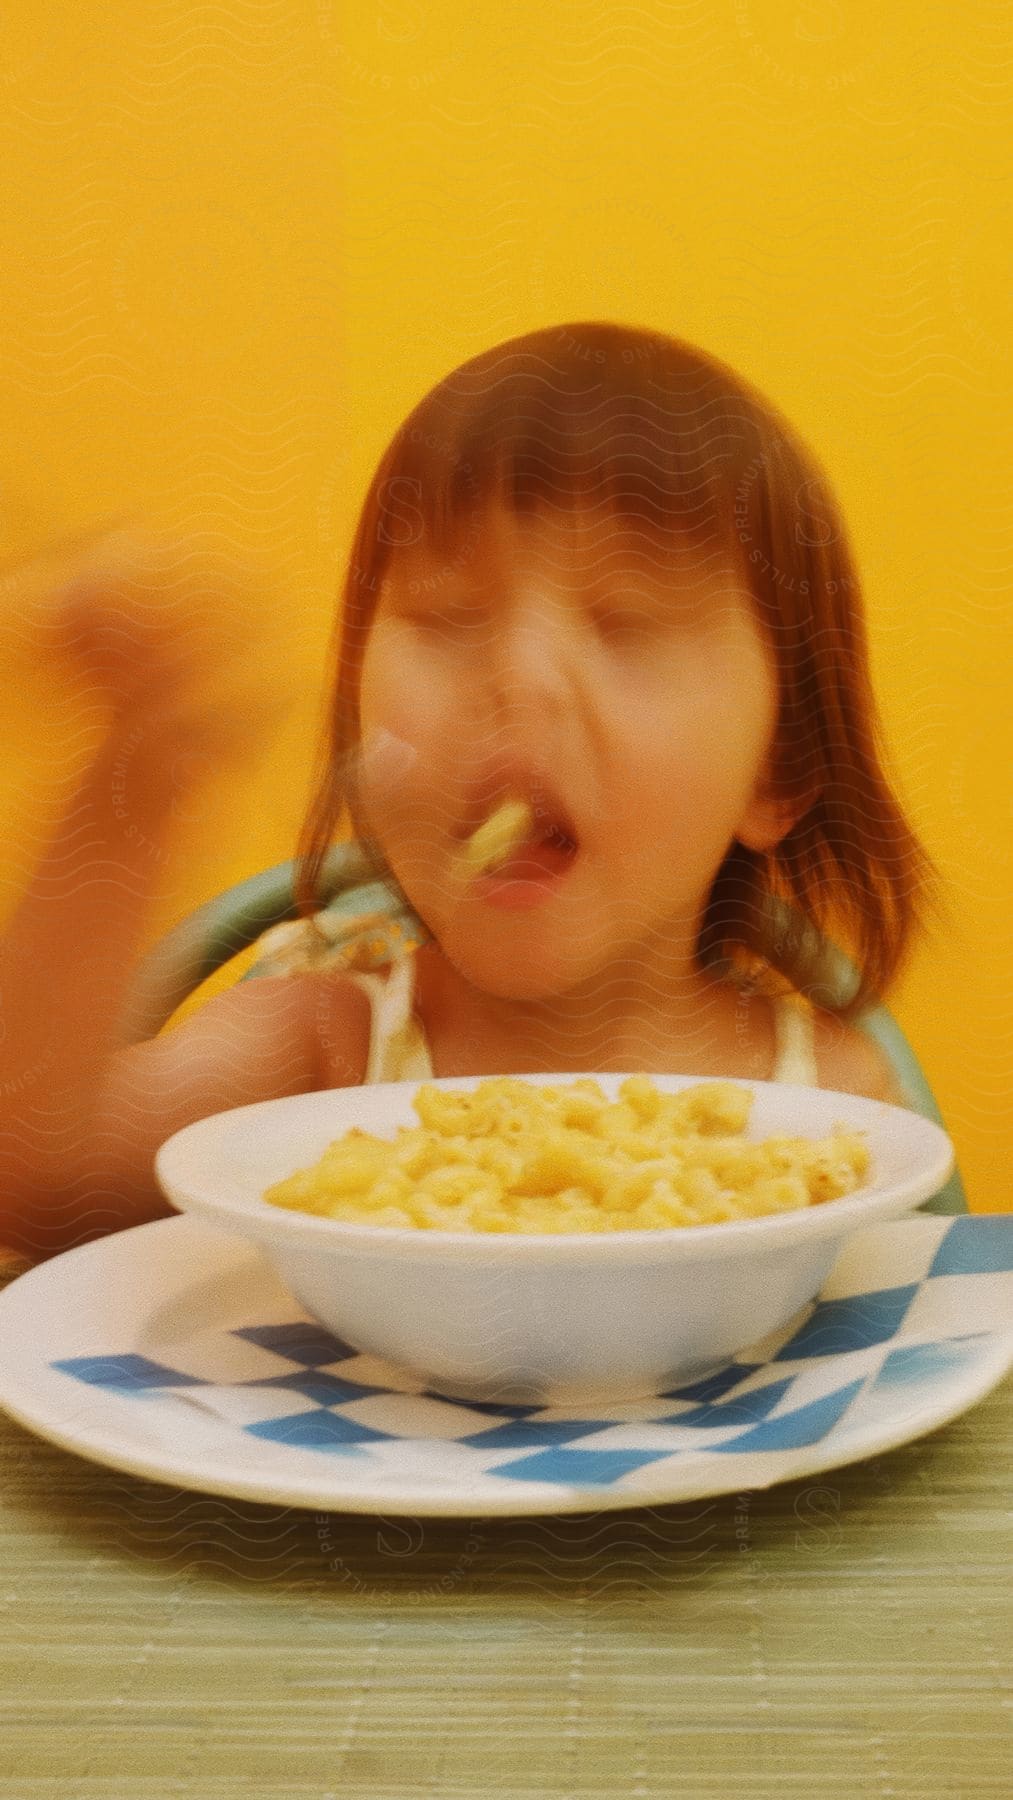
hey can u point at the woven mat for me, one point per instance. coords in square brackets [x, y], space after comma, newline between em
[843, 1635]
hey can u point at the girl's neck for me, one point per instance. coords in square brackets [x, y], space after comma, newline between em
[703, 1024]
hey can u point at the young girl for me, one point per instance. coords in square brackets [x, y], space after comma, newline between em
[594, 572]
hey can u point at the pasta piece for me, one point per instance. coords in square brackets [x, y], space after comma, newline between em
[508, 827]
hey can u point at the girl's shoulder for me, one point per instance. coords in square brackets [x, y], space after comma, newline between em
[851, 1062]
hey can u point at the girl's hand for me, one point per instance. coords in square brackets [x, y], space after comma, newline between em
[165, 637]
[142, 616]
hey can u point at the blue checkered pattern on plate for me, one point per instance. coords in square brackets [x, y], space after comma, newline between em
[832, 1369]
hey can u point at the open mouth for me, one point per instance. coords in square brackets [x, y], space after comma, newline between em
[520, 850]
[560, 840]
[549, 816]
[546, 853]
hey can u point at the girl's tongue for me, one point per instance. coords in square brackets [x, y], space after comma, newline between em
[539, 856]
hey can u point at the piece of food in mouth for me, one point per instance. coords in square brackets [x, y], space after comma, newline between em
[503, 832]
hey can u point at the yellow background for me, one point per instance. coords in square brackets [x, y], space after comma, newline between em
[242, 241]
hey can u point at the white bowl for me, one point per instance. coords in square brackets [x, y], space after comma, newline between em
[554, 1319]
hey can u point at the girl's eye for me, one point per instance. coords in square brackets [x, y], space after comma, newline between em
[613, 622]
[443, 619]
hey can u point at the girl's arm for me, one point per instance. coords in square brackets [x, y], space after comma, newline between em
[82, 1116]
[66, 960]
[82, 1164]
[258, 1040]
[135, 633]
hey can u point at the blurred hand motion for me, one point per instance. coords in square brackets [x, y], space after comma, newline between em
[156, 629]
[174, 664]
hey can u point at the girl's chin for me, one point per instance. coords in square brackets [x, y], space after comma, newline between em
[513, 971]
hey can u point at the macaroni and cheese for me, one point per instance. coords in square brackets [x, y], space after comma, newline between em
[507, 828]
[514, 1156]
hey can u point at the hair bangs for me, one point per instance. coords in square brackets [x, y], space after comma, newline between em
[569, 420]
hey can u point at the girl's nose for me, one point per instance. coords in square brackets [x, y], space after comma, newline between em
[530, 660]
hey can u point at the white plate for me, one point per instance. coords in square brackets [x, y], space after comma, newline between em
[173, 1352]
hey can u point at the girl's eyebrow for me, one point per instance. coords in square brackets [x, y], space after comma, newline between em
[624, 582]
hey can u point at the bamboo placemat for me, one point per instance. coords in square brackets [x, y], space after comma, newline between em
[846, 1635]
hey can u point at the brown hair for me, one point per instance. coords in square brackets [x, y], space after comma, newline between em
[678, 445]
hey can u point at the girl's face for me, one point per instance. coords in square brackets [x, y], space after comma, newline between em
[633, 703]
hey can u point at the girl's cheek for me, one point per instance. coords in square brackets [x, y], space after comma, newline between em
[403, 700]
[387, 699]
[401, 690]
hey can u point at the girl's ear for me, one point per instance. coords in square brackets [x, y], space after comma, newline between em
[769, 817]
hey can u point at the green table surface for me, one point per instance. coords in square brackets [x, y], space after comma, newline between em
[845, 1635]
